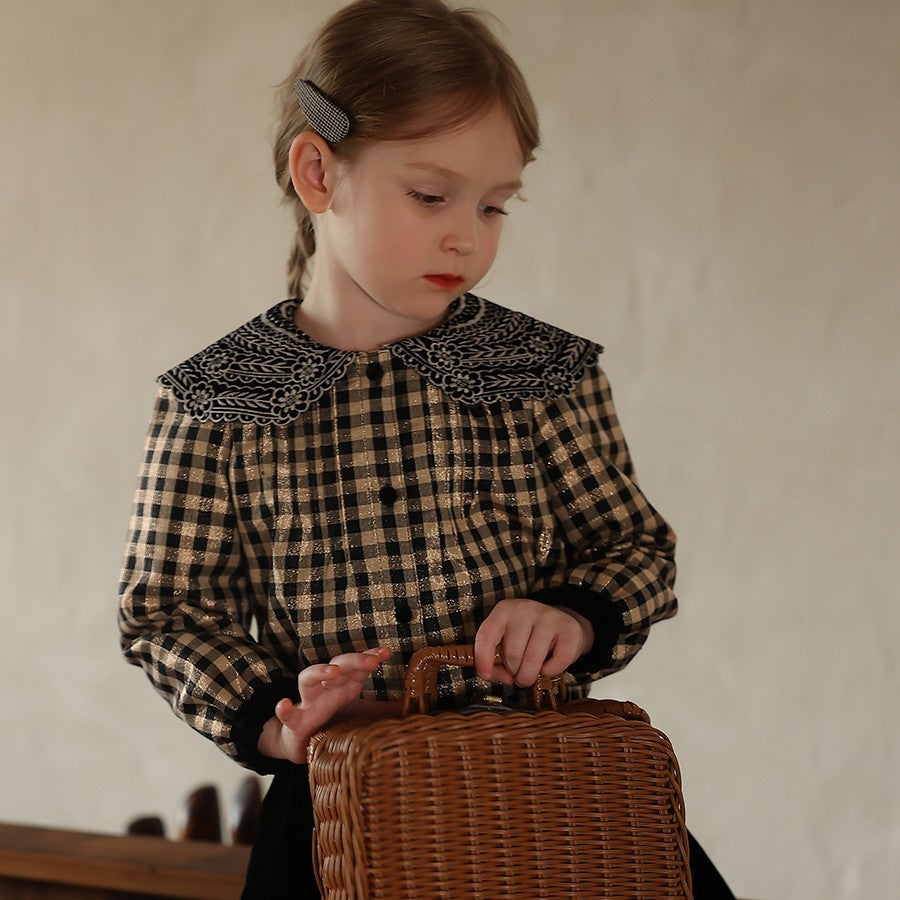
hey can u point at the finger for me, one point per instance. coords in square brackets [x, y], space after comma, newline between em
[562, 655]
[500, 675]
[515, 642]
[357, 667]
[286, 712]
[487, 638]
[315, 674]
[367, 659]
[533, 658]
[344, 670]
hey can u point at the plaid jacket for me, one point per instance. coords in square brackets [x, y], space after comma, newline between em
[297, 501]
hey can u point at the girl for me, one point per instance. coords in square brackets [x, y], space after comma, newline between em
[391, 461]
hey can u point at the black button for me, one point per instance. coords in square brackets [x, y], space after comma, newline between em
[375, 371]
[387, 495]
[403, 614]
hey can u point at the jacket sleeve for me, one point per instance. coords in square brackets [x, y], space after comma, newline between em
[187, 599]
[609, 555]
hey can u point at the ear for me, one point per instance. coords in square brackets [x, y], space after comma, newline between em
[312, 165]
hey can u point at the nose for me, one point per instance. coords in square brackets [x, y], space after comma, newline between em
[461, 236]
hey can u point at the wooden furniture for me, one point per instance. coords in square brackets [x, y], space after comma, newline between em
[55, 863]
[148, 825]
[245, 810]
[200, 817]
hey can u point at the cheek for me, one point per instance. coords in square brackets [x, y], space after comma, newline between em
[389, 225]
[390, 244]
[403, 235]
[490, 245]
[368, 237]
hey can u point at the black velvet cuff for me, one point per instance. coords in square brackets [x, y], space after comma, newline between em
[248, 721]
[600, 611]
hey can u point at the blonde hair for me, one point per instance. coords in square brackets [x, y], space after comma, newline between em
[401, 69]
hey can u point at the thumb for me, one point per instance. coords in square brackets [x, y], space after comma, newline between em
[286, 712]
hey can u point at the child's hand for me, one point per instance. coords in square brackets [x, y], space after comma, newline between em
[536, 639]
[325, 690]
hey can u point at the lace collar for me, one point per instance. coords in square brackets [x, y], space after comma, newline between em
[269, 372]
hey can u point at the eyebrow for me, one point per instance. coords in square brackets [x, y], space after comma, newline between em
[452, 175]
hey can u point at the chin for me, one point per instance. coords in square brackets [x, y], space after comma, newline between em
[434, 307]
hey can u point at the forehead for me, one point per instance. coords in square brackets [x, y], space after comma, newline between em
[484, 151]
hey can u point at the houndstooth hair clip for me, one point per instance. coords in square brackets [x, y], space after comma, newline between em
[326, 118]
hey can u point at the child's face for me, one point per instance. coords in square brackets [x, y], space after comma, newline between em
[415, 223]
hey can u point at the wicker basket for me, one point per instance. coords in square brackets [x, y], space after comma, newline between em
[581, 801]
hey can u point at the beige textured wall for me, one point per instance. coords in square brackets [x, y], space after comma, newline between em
[716, 202]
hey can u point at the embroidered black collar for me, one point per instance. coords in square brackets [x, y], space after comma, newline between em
[269, 372]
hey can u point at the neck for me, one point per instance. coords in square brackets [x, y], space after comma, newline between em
[355, 323]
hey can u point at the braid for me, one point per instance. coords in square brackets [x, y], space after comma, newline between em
[302, 248]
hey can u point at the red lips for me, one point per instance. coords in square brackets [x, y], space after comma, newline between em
[445, 281]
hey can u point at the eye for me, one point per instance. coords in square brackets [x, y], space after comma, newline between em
[425, 199]
[492, 211]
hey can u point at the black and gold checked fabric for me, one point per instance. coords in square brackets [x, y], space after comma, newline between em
[296, 502]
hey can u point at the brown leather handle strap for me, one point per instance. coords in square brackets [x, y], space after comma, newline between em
[421, 677]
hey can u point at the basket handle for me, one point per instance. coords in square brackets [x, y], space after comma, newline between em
[421, 678]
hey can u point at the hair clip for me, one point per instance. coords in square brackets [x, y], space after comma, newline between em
[326, 118]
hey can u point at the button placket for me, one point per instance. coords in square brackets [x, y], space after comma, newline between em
[389, 480]
[387, 492]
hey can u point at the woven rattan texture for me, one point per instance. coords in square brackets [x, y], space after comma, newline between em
[575, 803]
